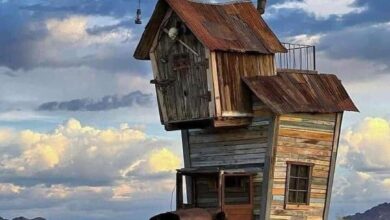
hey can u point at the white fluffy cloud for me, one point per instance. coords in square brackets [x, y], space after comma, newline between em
[322, 9]
[366, 147]
[363, 162]
[76, 157]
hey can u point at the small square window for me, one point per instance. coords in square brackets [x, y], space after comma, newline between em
[298, 183]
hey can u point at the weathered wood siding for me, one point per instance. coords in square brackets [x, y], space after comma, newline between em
[185, 95]
[229, 147]
[226, 147]
[235, 98]
[303, 138]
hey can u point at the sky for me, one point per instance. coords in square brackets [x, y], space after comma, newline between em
[80, 136]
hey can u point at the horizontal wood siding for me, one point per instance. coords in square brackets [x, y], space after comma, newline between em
[226, 147]
[234, 96]
[303, 138]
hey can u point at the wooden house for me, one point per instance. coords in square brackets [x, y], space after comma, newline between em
[259, 142]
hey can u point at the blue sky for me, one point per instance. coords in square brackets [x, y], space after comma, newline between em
[79, 129]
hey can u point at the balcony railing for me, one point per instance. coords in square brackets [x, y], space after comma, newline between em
[298, 57]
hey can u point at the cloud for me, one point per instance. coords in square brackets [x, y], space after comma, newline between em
[362, 143]
[163, 161]
[81, 172]
[322, 9]
[363, 167]
[359, 43]
[104, 104]
[78, 155]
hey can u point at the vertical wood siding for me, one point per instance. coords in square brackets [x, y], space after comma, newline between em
[234, 96]
[303, 138]
[185, 98]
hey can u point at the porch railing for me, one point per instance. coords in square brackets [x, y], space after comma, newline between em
[298, 57]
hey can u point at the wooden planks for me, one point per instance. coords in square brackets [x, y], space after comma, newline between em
[228, 146]
[181, 77]
[305, 138]
[234, 96]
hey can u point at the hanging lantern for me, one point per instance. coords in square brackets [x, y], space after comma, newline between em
[138, 15]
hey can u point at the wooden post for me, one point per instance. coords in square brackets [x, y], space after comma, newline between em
[179, 191]
[187, 162]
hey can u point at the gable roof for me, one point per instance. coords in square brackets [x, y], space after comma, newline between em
[235, 26]
[301, 93]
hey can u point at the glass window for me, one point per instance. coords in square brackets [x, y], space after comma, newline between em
[298, 183]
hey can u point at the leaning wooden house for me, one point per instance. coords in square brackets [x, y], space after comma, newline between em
[260, 126]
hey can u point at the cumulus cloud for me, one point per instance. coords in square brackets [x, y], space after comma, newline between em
[367, 146]
[75, 169]
[105, 103]
[363, 164]
[74, 154]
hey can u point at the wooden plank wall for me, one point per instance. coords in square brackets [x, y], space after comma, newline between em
[185, 98]
[228, 146]
[235, 99]
[303, 138]
[233, 146]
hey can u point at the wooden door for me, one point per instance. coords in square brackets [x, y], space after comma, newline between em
[183, 73]
[237, 197]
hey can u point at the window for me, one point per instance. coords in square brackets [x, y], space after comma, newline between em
[237, 190]
[298, 183]
[206, 191]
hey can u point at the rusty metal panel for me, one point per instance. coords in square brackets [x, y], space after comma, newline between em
[235, 26]
[301, 93]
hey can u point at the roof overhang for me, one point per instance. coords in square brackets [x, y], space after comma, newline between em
[301, 93]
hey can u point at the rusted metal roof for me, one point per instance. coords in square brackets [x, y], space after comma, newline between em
[301, 93]
[235, 26]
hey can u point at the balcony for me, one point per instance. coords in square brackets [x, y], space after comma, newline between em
[298, 57]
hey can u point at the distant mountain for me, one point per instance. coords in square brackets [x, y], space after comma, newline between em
[23, 218]
[380, 212]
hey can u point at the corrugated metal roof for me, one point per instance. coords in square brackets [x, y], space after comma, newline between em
[235, 26]
[301, 93]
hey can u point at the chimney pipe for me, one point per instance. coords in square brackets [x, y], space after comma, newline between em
[261, 6]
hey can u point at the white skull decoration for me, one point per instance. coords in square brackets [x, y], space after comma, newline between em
[173, 33]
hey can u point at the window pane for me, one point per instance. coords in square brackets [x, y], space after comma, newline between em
[303, 171]
[302, 197]
[302, 184]
[298, 185]
[294, 170]
[237, 190]
[293, 183]
[292, 197]
[206, 189]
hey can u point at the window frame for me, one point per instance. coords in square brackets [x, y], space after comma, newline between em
[223, 188]
[287, 187]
